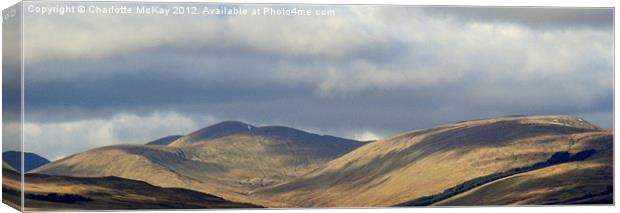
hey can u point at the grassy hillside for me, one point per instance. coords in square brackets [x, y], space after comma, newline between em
[420, 163]
[519, 160]
[587, 182]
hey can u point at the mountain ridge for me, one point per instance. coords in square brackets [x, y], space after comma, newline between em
[164, 140]
[278, 166]
[231, 127]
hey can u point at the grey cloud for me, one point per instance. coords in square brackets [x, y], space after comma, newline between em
[542, 18]
[381, 71]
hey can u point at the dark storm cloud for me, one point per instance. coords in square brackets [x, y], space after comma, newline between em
[542, 18]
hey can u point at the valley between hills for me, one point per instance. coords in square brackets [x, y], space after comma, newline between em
[518, 160]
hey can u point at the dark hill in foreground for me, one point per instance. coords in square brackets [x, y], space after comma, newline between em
[45, 192]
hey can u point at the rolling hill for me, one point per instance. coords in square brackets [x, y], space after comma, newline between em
[517, 160]
[33, 161]
[44, 192]
[228, 159]
[455, 164]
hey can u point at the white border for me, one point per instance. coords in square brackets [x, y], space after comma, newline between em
[571, 3]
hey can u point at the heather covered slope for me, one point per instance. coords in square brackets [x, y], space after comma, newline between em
[220, 159]
[581, 182]
[44, 192]
[571, 183]
[420, 163]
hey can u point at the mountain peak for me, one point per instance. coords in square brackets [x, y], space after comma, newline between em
[222, 129]
[232, 128]
[232, 123]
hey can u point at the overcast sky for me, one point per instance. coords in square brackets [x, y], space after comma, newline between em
[367, 72]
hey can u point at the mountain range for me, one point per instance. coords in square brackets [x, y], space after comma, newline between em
[517, 160]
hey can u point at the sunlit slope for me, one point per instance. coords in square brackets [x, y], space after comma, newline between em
[164, 140]
[586, 182]
[218, 159]
[398, 169]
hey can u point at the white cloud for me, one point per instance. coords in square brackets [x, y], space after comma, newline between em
[366, 136]
[11, 136]
[83, 36]
[56, 140]
[451, 53]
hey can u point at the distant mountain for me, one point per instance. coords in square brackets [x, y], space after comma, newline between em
[227, 159]
[236, 128]
[218, 130]
[33, 161]
[103, 193]
[450, 164]
[165, 140]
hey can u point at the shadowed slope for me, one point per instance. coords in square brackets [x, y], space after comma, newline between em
[32, 160]
[223, 129]
[44, 192]
[234, 128]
